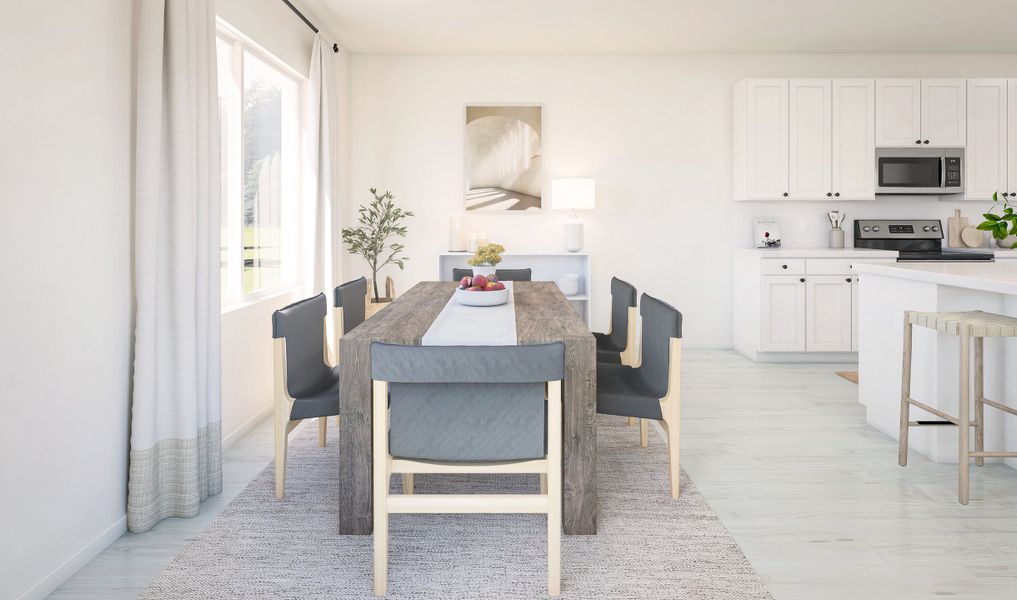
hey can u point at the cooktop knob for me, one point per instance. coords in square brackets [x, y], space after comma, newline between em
[926, 228]
[935, 227]
[875, 227]
[866, 228]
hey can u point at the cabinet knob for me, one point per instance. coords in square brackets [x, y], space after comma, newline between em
[926, 142]
[848, 280]
[828, 194]
[837, 194]
[783, 266]
[802, 280]
[1013, 193]
[918, 141]
[785, 194]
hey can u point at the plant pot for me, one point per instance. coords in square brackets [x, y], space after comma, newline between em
[374, 306]
[484, 270]
[1007, 242]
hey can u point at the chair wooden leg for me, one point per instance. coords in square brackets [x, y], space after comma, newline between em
[979, 396]
[281, 423]
[964, 422]
[322, 431]
[905, 396]
[381, 477]
[408, 484]
[644, 433]
[674, 462]
[554, 453]
[631, 421]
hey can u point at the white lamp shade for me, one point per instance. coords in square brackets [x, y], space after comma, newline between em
[573, 194]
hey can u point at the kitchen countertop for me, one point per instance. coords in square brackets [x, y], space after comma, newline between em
[819, 252]
[997, 277]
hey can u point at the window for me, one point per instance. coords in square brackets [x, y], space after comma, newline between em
[259, 136]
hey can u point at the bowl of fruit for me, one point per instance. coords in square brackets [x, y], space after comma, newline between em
[481, 290]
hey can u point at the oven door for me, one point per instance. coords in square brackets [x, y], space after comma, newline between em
[918, 171]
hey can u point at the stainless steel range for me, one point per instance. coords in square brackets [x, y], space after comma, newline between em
[913, 239]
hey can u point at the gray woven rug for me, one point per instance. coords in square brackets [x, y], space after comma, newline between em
[648, 546]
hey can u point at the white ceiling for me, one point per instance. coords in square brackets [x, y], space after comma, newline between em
[672, 26]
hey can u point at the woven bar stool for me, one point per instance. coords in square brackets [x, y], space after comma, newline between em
[973, 324]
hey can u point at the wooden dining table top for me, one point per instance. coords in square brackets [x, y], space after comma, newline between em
[543, 315]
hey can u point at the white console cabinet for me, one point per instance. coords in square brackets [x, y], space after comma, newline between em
[798, 304]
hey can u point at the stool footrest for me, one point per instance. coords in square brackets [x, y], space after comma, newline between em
[935, 411]
[987, 454]
[1000, 406]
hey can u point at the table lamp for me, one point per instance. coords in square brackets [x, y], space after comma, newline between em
[573, 194]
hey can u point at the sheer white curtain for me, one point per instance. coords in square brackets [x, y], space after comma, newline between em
[176, 432]
[319, 148]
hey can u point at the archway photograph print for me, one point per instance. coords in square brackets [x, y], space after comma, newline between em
[503, 159]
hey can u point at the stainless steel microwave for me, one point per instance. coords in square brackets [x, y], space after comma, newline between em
[937, 171]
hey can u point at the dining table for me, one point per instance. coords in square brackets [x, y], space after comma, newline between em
[542, 315]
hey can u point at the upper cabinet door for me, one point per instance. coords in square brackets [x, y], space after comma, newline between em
[986, 155]
[898, 112]
[766, 131]
[944, 112]
[854, 145]
[1011, 145]
[809, 107]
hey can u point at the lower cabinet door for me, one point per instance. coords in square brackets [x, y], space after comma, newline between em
[783, 313]
[828, 313]
[854, 313]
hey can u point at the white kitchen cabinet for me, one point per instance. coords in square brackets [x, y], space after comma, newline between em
[809, 148]
[761, 139]
[898, 112]
[944, 112]
[783, 313]
[1011, 143]
[853, 156]
[828, 313]
[854, 313]
[986, 156]
[923, 112]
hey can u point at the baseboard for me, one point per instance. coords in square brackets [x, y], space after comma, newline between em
[79, 559]
[707, 345]
[232, 437]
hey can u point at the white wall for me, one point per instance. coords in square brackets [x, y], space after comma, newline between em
[653, 130]
[65, 225]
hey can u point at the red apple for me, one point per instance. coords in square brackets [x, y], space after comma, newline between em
[466, 282]
[474, 289]
[492, 278]
[491, 286]
[480, 281]
[497, 286]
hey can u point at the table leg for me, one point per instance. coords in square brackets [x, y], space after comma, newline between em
[355, 466]
[579, 483]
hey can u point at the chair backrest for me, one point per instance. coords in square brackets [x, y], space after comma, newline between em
[661, 322]
[502, 274]
[623, 297]
[302, 325]
[477, 403]
[351, 297]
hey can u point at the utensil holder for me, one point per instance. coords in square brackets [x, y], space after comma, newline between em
[837, 238]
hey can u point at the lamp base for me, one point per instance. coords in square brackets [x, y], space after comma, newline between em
[573, 235]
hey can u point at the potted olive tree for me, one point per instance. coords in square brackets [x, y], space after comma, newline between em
[379, 221]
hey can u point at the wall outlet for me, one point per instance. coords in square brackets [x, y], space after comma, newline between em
[803, 224]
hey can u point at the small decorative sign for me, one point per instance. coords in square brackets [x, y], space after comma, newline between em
[767, 232]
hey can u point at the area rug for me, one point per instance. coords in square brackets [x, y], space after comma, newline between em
[648, 546]
[851, 376]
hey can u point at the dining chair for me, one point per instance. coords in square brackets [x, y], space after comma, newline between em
[651, 389]
[429, 418]
[306, 386]
[502, 274]
[349, 307]
[618, 345]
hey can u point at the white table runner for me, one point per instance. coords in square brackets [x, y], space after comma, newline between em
[461, 325]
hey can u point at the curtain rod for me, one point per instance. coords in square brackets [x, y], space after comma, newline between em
[335, 47]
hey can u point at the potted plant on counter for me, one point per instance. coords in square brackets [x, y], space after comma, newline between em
[1002, 226]
[379, 221]
[485, 259]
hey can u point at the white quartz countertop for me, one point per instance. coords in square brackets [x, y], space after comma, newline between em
[819, 252]
[998, 277]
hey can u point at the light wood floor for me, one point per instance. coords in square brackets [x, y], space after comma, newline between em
[812, 495]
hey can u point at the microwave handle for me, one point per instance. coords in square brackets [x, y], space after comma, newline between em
[942, 171]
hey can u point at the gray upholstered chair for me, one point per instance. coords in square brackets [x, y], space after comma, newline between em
[428, 417]
[502, 274]
[652, 389]
[349, 307]
[618, 345]
[306, 386]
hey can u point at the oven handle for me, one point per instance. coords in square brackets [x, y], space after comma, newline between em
[942, 172]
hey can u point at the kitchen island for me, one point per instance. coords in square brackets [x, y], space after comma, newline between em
[885, 292]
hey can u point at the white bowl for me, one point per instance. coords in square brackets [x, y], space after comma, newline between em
[490, 298]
